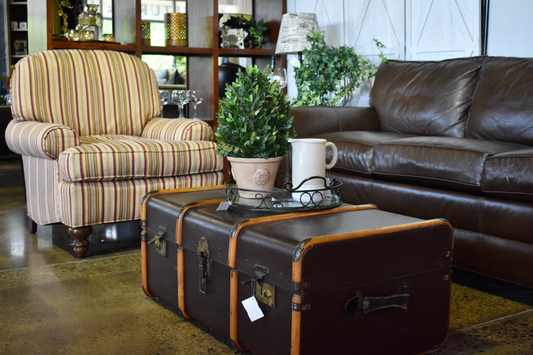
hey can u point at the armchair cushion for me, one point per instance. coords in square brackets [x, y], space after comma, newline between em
[116, 201]
[91, 91]
[177, 129]
[110, 157]
[38, 139]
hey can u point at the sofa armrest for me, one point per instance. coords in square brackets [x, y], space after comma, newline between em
[39, 139]
[177, 129]
[313, 120]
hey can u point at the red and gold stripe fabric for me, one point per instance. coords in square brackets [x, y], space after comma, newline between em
[41, 178]
[179, 129]
[82, 204]
[41, 140]
[127, 157]
[93, 92]
[87, 126]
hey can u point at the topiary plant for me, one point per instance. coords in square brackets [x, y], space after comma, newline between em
[329, 74]
[254, 119]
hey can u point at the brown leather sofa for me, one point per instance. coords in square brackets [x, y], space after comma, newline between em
[450, 139]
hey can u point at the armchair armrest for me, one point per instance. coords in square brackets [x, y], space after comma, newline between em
[177, 129]
[39, 139]
[313, 120]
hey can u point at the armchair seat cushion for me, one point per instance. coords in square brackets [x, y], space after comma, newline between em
[122, 157]
[445, 162]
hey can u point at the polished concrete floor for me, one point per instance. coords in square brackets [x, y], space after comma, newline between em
[54, 303]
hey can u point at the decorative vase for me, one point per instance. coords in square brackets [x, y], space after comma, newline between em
[83, 20]
[145, 33]
[256, 174]
[233, 38]
[95, 21]
[176, 29]
[247, 40]
[227, 73]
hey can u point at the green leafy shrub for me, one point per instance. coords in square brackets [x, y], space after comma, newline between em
[328, 74]
[254, 119]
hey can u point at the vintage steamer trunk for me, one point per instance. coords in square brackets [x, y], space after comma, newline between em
[348, 280]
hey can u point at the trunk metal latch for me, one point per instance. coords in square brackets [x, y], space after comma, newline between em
[160, 243]
[204, 264]
[263, 291]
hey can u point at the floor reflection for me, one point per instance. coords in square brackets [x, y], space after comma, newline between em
[51, 243]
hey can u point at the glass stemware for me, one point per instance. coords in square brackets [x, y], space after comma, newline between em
[197, 97]
[279, 75]
[181, 97]
[165, 96]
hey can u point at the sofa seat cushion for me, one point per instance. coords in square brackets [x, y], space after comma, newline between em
[509, 175]
[120, 157]
[445, 162]
[356, 148]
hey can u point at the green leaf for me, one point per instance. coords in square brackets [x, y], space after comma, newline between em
[254, 121]
[330, 70]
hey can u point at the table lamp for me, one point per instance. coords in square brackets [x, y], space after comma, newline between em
[294, 31]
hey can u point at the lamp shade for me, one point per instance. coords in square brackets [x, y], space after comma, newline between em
[294, 31]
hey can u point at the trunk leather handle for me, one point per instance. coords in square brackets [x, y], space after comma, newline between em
[368, 304]
[374, 303]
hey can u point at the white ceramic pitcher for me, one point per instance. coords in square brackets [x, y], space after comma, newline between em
[309, 159]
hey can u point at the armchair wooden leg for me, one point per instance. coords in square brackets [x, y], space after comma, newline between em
[32, 226]
[80, 242]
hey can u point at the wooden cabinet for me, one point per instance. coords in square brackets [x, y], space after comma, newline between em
[202, 53]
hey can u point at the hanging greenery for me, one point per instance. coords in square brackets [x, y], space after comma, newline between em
[329, 74]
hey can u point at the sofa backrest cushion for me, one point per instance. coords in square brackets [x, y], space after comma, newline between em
[91, 91]
[502, 107]
[425, 98]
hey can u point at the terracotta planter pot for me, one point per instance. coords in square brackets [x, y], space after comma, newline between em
[254, 174]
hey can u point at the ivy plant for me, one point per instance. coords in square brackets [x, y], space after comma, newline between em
[328, 74]
[254, 119]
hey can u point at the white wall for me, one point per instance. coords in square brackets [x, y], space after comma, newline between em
[410, 29]
[510, 31]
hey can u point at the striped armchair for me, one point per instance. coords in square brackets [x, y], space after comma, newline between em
[88, 128]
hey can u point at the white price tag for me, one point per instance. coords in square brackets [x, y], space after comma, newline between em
[252, 308]
[223, 206]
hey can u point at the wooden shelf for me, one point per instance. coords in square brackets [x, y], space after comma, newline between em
[94, 45]
[176, 50]
[230, 52]
[203, 52]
